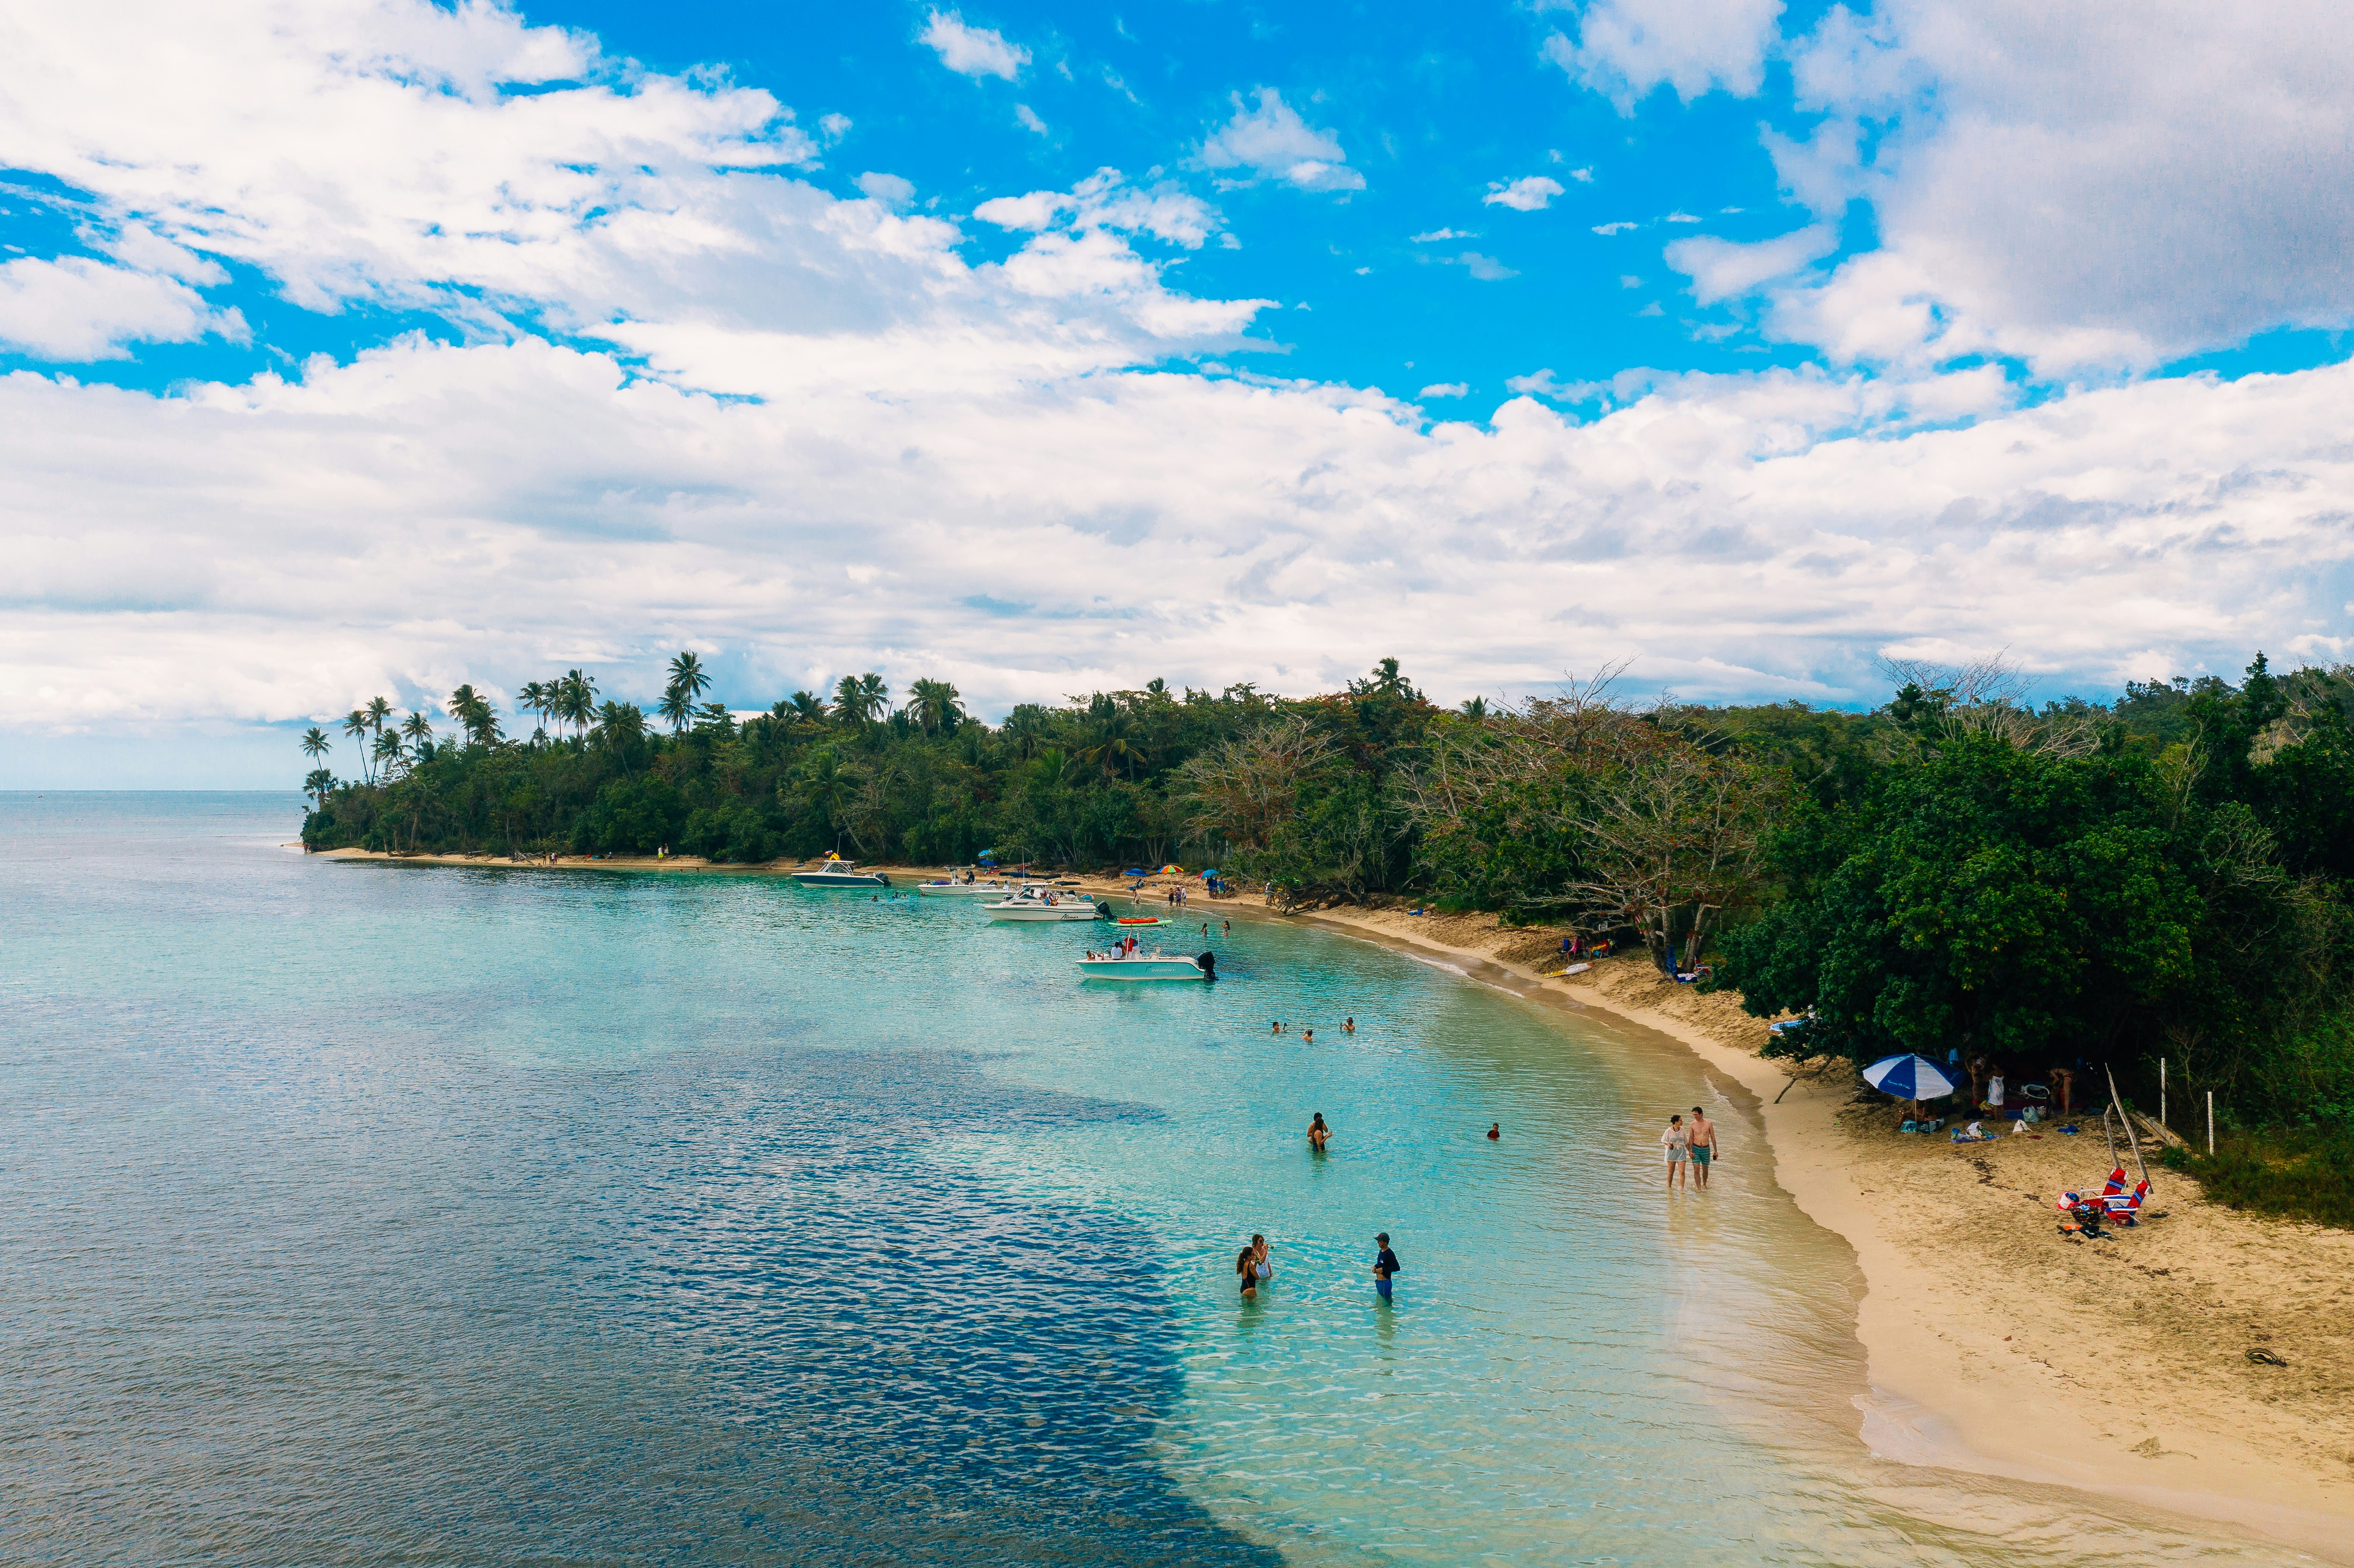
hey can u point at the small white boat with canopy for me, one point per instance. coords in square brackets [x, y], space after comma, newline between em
[971, 884]
[1045, 904]
[835, 871]
[1119, 965]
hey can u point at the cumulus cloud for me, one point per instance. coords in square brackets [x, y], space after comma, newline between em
[1247, 524]
[1627, 49]
[1273, 142]
[758, 395]
[2077, 187]
[1721, 269]
[1531, 193]
[76, 309]
[971, 51]
[1445, 389]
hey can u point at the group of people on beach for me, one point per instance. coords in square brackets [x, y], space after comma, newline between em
[1253, 1267]
[1689, 1146]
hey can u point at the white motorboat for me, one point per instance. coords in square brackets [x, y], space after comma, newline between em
[836, 872]
[1148, 967]
[950, 887]
[1045, 904]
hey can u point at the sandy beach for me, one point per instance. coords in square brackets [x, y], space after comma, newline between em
[1993, 1342]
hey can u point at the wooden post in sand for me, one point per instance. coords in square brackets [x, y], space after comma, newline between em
[2211, 1124]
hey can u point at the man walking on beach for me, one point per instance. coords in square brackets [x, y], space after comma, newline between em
[1703, 1147]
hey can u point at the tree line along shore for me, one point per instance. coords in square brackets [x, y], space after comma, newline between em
[2087, 885]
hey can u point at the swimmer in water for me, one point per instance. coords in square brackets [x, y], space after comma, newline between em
[1495, 1132]
[1348, 1026]
[1318, 1132]
[1274, 1028]
[1309, 1035]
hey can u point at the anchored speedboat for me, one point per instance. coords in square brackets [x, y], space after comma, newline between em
[1045, 904]
[1148, 967]
[950, 887]
[836, 872]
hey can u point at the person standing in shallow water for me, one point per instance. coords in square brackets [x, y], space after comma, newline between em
[1676, 1142]
[1495, 1132]
[1703, 1147]
[1385, 1264]
[1318, 1132]
[1247, 1265]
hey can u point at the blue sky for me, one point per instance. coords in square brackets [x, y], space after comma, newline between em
[380, 346]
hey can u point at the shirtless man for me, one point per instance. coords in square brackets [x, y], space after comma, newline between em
[1703, 1147]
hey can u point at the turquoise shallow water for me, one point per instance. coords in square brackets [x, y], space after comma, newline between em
[366, 1214]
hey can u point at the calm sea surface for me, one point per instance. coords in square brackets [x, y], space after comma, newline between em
[357, 1213]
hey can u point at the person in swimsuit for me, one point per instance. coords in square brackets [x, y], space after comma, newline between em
[1703, 1147]
[1274, 1028]
[1246, 1267]
[1495, 1132]
[1318, 1132]
[1676, 1143]
[1308, 1036]
[1385, 1264]
[1348, 1026]
[1263, 1266]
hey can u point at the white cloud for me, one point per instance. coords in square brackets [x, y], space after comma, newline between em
[1721, 269]
[1445, 389]
[1681, 217]
[1487, 269]
[1629, 280]
[820, 404]
[76, 309]
[1583, 176]
[891, 190]
[1626, 48]
[834, 127]
[2077, 190]
[1273, 142]
[971, 51]
[1620, 227]
[2188, 521]
[1029, 119]
[1438, 234]
[1529, 193]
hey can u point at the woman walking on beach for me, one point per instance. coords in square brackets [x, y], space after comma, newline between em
[1677, 1143]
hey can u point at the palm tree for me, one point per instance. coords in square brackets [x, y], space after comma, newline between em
[1116, 741]
[315, 744]
[534, 697]
[676, 707]
[319, 783]
[378, 710]
[934, 705]
[620, 726]
[688, 682]
[576, 699]
[388, 751]
[860, 699]
[420, 731]
[807, 708]
[475, 716]
[356, 725]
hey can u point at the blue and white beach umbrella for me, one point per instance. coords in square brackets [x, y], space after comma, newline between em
[1909, 1077]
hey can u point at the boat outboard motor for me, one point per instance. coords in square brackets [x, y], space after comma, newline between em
[1103, 910]
[1209, 962]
